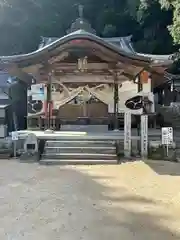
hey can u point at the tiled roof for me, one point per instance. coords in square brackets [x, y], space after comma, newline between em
[4, 76]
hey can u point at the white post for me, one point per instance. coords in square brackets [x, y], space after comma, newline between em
[144, 136]
[127, 134]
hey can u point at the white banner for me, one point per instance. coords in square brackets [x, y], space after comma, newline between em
[127, 134]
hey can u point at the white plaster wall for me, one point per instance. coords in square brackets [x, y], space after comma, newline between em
[129, 90]
[147, 86]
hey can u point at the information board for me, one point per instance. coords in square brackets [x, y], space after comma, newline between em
[167, 135]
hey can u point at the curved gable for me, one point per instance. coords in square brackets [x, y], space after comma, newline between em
[47, 50]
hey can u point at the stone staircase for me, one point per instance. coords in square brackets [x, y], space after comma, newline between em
[79, 152]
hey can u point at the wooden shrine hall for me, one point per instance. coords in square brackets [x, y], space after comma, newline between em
[81, 78]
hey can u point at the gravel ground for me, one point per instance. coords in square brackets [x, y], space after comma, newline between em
[136, 201]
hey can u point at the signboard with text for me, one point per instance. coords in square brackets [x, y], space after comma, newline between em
[167, 135]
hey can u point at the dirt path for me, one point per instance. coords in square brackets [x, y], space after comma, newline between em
[132, 201]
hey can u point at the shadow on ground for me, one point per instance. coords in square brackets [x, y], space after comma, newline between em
[129, 216]
[70, 203]
[164, 167]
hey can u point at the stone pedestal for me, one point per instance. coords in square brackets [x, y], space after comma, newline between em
[31, 150]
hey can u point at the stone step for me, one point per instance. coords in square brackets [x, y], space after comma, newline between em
[78, 162]
[79, 156]
[80, 149]
[82, 143]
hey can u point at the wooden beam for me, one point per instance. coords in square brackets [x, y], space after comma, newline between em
[32, 69]
[130, 69]
[74, 66]
[58, 58]
[15, 71]
[89, 79]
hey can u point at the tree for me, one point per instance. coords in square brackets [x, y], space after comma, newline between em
[174, 28]
[109, 31]
[153, 30]
[23, 22]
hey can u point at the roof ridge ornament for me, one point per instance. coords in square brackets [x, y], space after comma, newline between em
[81, 23]
[81, 10]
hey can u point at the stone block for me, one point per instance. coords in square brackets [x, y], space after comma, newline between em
[29, 157]
[3, 131]
[6, 148]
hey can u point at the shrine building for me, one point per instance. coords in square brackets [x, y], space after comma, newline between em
[82, 78]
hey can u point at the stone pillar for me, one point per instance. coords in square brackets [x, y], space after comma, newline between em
[127, 134]
[144, 136]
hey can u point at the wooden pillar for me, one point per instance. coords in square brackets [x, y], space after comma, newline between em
[160, 97]
[139, 89]
[167, 95]
[139, 84]
[116, 102]
[49, 100]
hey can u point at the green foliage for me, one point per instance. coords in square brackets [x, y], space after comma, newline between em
[174, 28]
[23, 22]
[153, 23]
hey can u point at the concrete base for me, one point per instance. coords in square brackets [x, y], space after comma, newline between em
[27, 157]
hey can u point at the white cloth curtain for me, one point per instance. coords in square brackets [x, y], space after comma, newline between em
[65, 96]
[103, 93]
[63, 100]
